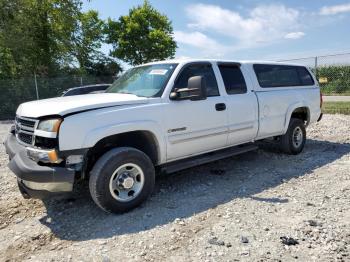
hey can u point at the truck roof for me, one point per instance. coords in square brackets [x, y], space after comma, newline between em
[189, 60]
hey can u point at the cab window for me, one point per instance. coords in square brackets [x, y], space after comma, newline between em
[233, 79]
[204, 70]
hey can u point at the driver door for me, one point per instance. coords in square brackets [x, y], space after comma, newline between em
[195, 127]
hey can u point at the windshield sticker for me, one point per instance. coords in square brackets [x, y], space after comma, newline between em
[158, 72]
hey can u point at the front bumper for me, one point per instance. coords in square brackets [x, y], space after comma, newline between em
[34, 180]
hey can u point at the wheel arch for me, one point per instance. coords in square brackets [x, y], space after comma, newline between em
[143, 140]
[298, 110]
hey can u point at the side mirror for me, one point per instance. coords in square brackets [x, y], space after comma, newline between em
[196, 90]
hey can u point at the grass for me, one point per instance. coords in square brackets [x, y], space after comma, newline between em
[347, 93]
[336, 108]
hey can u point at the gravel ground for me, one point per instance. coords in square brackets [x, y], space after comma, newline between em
[336, 98]
[260, 206]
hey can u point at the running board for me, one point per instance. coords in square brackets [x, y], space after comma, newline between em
[206, 158]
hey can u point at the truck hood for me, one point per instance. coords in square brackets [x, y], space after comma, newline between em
[71, 104]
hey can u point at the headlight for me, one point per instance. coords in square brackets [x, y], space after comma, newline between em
[45, 156]
[50, 125]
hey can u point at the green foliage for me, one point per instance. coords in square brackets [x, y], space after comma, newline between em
[50, 38]
[89, 39]
[336, 108]
[142, 36]
[61, 44]
[8, 66]
[37, 34]
[338, 79]
[103, 66]
[54, 37]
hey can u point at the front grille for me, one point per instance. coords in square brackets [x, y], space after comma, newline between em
[25, 138]
[26, 123]
[24, 129]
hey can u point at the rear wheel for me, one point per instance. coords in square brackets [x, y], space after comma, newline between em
[294, 140]
[121, 179]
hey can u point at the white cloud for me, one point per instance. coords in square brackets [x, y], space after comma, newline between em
[183, 57]
[294, 35]
[196, 39]
[214, 31]
[199, 40]
[263, 24]
[335, 9]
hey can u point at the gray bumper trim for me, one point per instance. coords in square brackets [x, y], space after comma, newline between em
[35, 176]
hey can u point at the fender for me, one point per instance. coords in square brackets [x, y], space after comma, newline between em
[95, 135]
[291, 109]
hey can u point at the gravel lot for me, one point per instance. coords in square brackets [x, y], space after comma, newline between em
[260, 206]
[336, 98]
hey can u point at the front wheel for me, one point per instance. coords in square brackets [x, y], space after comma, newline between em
[294, 140]
[121, 179]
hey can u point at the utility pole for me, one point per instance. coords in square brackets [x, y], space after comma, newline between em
[36, 87]
[316, 66]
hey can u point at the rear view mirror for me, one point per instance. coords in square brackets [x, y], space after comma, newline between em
[196, 90]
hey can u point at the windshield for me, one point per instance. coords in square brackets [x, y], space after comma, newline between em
[147, 81]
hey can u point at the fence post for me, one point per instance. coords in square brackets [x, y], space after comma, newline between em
[36, 87]
[316, 66]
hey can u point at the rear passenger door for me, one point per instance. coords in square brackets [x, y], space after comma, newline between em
[241, 103]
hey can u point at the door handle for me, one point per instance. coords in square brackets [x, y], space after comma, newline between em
[220, 107]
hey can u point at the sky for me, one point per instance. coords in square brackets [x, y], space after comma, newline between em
[250, 29]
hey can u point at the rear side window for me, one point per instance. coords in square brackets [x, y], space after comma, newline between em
[282, 75]
[204, 70]
[233, 79]
[305, 77]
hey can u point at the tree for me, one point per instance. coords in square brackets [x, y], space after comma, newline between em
[142, 36]
[8, 66]
[38, 34]
[103, 66]
[50, 37]
[89, 39]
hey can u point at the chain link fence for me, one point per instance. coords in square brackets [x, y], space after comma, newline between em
[332, 72]
[16, 91]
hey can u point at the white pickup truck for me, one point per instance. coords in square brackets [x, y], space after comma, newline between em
[162, 116]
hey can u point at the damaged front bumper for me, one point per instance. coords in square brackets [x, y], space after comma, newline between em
[35, 180]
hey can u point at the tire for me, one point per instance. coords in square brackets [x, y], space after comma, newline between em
[110, 179]
[294, 140]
